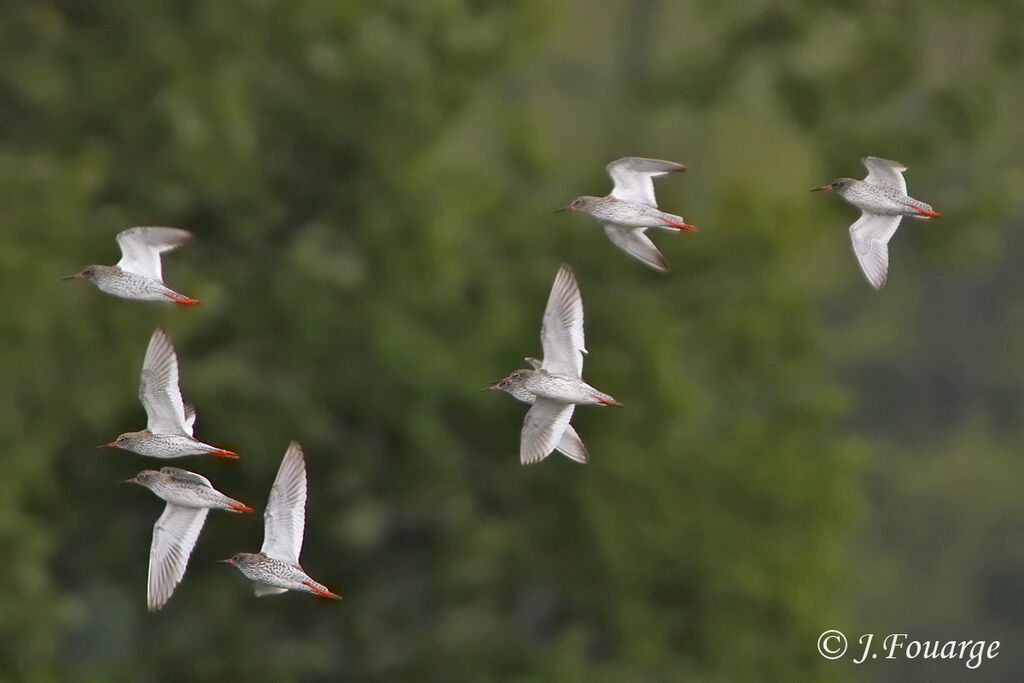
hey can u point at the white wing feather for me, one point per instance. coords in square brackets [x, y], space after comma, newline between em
[543, 428]
[141, 249]
[870, 235]
[886, 173]
[178, 474]
[262, 589]
[285, 518]
[159, 391]
[561, 333]
[632, 178]
[571, 446]
[637, 244]
[174, 536]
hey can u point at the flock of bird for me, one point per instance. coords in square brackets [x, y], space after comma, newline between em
[553, 385]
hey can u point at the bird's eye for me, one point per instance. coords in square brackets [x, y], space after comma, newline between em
[515, 375]
[577, 202]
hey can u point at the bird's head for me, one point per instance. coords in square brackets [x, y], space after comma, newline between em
[123, 441]
[516, 379]
[144, 478]
[86, 274]
[839, 185]
[239, 559]
[583, 204]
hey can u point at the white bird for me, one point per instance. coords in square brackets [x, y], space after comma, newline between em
[883, 201]
[138, 274]
[631, 208]
[189, 497]
[555, 385]
[168, 432]
[275, 568]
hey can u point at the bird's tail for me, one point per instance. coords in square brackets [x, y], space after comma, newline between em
[922, 211]
[675, 223]
[318, 589]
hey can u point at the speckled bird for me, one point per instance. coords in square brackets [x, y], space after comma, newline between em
[883, 201]
[168, 432]
[631, 208]
[275, 568]
[570, 445]
[189, 497]
[555, 384]
[138, 274]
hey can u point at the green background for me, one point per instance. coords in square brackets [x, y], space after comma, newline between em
[371, 186]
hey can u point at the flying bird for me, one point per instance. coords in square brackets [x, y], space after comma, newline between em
[138, 274]
[168, 432]
[189, 497]
[275, 568]
[554, 386]
[631, 209]
[883, 201]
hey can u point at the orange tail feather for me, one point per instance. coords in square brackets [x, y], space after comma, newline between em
[322, 592]
[680, 226]
[926, 212]
[183, 300]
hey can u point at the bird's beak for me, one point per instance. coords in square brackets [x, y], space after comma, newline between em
[76, 276]
[493, 387]
[112, 444]
[227, 561]
[824, 187]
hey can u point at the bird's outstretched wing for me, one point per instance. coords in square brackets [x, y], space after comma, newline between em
[285, 518]
[561, 333]
[870, 235]
[190, 418]
[178, 474]
[886, 173]
[543, 428]
[632, 178]
[141, 249]
[159, 391]
[636, 243]
[261, 589]
[174, 536]
[571, 446]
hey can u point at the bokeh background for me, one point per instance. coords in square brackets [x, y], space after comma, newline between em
[371, 185]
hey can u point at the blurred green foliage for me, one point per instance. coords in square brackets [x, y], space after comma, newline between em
[371, 186]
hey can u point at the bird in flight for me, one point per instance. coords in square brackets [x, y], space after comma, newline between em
[275, 568]
[631, 208]
[189, 497]
[138, 274]
[168, 432]
[883, 201]
[554, 386]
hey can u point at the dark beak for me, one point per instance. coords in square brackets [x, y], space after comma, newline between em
[568, 208]
[133, 480]
[112, 444]
[228, 561]
[819, 189]
[77, 276]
